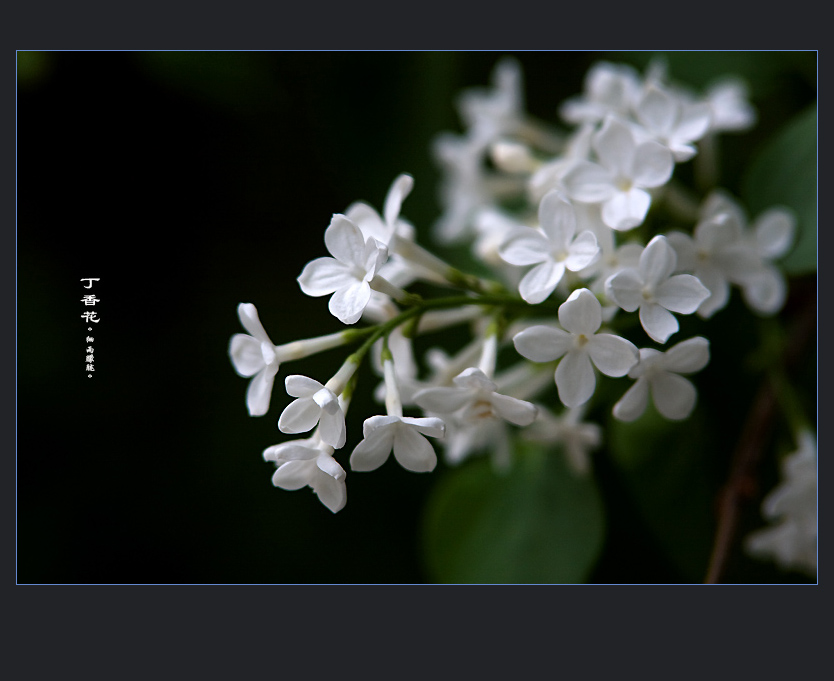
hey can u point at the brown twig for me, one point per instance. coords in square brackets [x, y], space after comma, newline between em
[742, 483]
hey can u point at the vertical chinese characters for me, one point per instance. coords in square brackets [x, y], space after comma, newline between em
[91, 317]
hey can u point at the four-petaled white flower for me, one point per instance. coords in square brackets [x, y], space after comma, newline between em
[474, 399]
[658, 373]
[620, 179]
[673, 121]
[579, 345]
[651, 287]
[552, 249]
[315, 404]
[402, 434]
[256, 356]
[309, 462]
[577, 437]
[347, 275]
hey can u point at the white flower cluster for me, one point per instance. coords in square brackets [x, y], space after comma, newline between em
[560, 219]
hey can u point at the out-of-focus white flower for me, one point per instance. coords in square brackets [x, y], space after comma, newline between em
[771, 235]
[490, 113]
[731, 109]
[791, 538]
[658, 373]
[309, 462]
[577, 437]
[620, 179]
[673, 121]
[651, 287]
[552, 249]
[580, 347]
[315, 404]
[550, 174]
[347, 275]
[609, 89]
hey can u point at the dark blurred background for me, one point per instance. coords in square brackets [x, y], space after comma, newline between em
[188, 182]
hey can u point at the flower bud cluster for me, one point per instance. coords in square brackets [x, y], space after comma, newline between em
[567, 223]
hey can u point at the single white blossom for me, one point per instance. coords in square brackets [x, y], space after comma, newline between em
[315, 404]
[310, 463]
[625, 171]
[552, 249]
[347, 275]
[653, 289]
[254, 355]
[490, 113]
[730, 106]
[791, 508]
[609, 89]
[580, 347]
[658, 373]
[403, 435]
[672, 120]
[568, 429]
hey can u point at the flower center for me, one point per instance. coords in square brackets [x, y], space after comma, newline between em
[624, 184]
[581, 340]
[648, 294]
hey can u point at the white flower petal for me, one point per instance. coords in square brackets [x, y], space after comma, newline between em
[299, 416]
[295, 450]
[612, 355]
[400, 189]
[657, 111]
[774, 230]
[767, 292]
[581, 313]
[575, 379]
[473, 378]
[515, 411]
[344, 241]
[525, 246]
[323, 276]
[368, 221]
[583, 252]
[681, 293]
[625, 288]
[431, 426]
[442, 400]
[653, 165]
[658, 260]
[293, 475]
[719, 288]
[685, 250]
[541, 281]
[330, 491]
[348, 303]
[245, 353]
[625, 210]
[673, 395]
[542, 343]
[332, 427]
[260, 390]
[658, 322]
[301, 386]
[248, 315]
[589, 182]
[557, 219]
[614, 145]
[413, 451]
[374, 449]
[327, 464]
[687, 356]
[632, 405]
[693, 123]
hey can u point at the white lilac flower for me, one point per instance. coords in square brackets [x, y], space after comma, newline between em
[716, 253]
[580, 347]
[791, 508]
[771, 236]
[673, 121]
[577, 437]
[626, 169]
[310, 463]
[552, 249]
[609, 89]
[490, 113]
[653, 289]
[474, 400]
[403, 435]
[316, 404]
[255, 355]
[731, 108]
[347, 275]
[658, 373]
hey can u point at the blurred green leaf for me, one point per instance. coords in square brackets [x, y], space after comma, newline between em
[665, 464]
[539, 523]
[785, 172]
